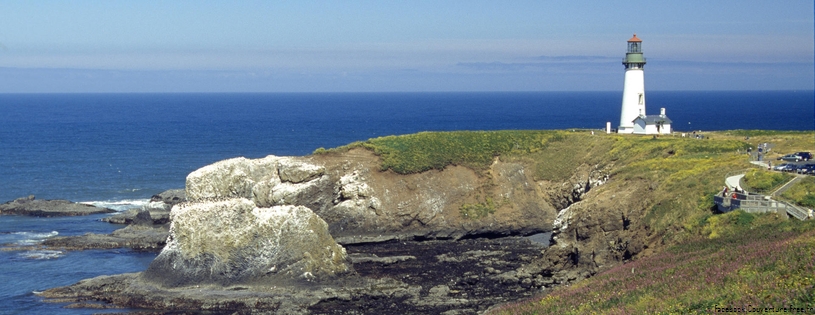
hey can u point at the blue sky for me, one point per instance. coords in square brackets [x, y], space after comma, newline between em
[381, 46]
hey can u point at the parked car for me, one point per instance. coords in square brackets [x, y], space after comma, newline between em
[788, 168]
[795, 168]
[806, 169]
[780, 167]
[806, 156]
[791, 157]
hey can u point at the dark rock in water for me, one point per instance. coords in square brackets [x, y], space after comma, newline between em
[158, 209]
[143, 217]
[170, 197]
[137, 237]
[142, 234]
[147, 230]
[156, 216]
[49, 208]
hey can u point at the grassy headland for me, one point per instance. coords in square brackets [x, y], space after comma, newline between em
[696, 259]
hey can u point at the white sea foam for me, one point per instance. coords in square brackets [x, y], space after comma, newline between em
[36, 235]
[26, 238]
[42, 254]
[119, 205]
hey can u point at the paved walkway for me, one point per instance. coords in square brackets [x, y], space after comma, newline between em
[761, 163]
[732, 182]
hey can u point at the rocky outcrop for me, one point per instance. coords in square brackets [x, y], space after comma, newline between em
[157, 210]
[141, 237]
[602, 228]
[232, 241]
[147, 230]
[170, 197]
[155, 213]
[360, 203]
[49, 208]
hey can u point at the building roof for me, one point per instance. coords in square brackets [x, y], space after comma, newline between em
[654, 119]
[634, 39]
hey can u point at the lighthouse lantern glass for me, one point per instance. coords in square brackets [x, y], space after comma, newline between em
[634, 47]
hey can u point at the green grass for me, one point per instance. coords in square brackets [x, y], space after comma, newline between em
[764, 181]
[424, 151]
[755, 133]
[478, 210]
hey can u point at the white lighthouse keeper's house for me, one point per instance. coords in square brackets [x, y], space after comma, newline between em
[632, 116]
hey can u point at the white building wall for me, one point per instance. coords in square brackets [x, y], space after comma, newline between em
[666, 129]
[633, 99]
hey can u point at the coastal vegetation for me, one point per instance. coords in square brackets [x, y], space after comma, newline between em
[478, 210]
[424, 151]
[697, 260]
[764, 181]
[760, 262]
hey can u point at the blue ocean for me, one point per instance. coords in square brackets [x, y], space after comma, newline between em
[116, 150]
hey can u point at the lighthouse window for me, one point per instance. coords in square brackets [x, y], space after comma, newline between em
[641, 99]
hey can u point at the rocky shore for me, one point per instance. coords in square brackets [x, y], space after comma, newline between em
[332, 234]
[146, 229]
[409, 277]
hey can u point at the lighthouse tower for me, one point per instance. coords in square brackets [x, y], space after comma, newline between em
[634, 87]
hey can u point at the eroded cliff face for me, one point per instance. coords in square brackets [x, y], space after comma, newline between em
[599, 229]
[360, 203]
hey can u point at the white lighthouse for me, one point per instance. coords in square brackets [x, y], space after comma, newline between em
[634, 87]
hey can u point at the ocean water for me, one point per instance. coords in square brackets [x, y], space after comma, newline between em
[116, 150]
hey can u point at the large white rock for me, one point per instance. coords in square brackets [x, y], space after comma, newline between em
[231, 178]
[231, 241]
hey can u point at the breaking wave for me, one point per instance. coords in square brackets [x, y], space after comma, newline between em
[41, 254]
[25, 238]
[120, 205]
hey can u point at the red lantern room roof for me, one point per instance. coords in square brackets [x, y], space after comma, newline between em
[634, 39]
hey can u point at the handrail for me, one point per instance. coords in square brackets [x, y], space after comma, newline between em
[791, 181]
[796, 211]
[757, 203]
